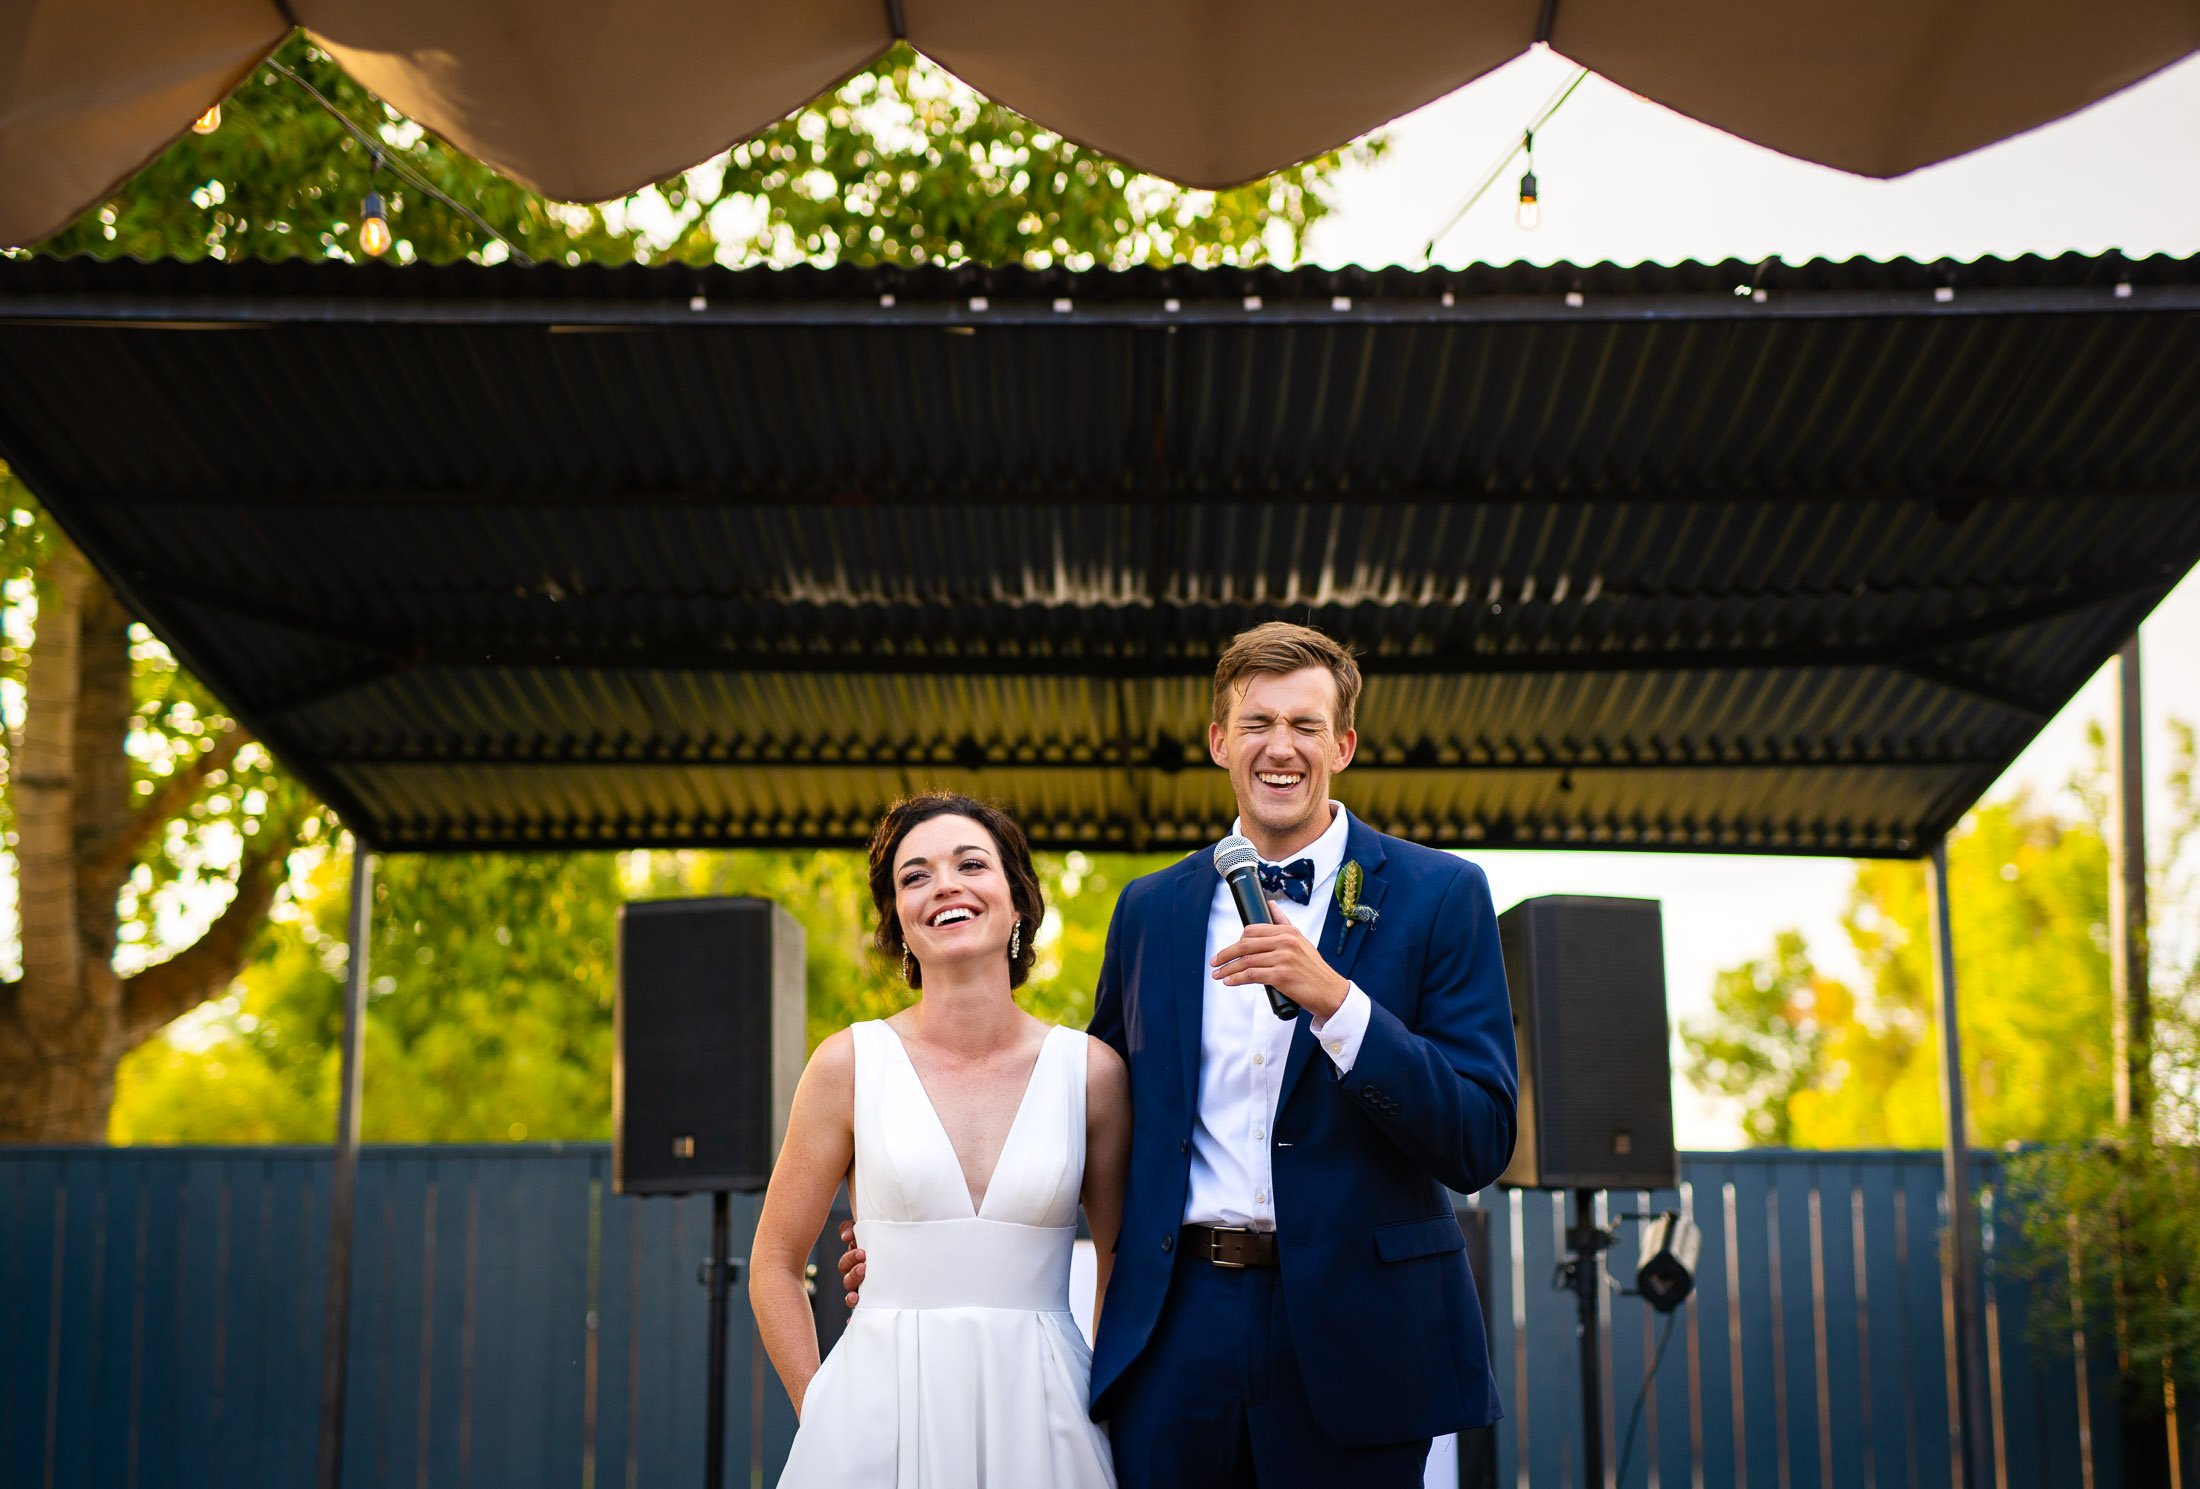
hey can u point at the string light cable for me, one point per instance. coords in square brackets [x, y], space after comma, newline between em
[378, 153]
[1530, 207]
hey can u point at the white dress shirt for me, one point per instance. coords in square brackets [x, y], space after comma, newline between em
[1242, 1045]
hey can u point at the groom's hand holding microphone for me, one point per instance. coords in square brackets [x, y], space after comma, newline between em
[1272, 952]
[1279, 956]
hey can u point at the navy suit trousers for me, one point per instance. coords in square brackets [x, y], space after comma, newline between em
[1216, 1400]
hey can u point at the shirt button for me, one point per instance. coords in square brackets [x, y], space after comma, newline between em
[1260, 1057]
[1259, 1133]
[1260, 1196]
[1334, 1046]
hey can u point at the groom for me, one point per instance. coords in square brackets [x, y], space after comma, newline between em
[1290, 1302]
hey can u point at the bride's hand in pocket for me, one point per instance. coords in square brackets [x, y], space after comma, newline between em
[851, 1262]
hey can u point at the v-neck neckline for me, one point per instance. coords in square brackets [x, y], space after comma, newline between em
[939, 1124]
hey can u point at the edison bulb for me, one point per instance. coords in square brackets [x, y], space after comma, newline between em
[208, 122]
[374, 227]
[1530, 210]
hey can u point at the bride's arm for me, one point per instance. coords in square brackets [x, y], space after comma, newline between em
[1107, 1157]
[817, 1153]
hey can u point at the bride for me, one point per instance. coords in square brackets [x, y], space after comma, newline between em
[967, 1132]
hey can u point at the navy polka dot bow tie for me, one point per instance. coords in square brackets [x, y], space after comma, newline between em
[1295, 879]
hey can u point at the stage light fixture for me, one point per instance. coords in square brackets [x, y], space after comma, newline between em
[1666, 1273]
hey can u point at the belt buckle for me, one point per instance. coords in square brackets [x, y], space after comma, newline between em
[1215, 1233]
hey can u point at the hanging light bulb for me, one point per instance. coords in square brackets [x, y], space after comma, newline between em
[374, 226]
[208, 122]
[1530, 210]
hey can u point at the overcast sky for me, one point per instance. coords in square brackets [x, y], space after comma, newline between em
[1625, 181]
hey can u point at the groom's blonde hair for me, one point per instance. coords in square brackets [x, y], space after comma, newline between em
[1279, 646]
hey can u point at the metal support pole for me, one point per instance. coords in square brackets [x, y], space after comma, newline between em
[1974, 1433]
[2127, 899]
[344, 1183]
[1585, 1274]
[718, 1271]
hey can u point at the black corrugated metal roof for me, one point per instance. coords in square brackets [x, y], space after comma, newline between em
[1741, 557]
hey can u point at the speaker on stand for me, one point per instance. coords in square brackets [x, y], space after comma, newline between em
[707, 1047]
[1587, 979]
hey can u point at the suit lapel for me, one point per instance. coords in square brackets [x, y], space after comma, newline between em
[1189, 908]
[1364, 846]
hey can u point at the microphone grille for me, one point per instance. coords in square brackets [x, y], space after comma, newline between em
[1234, 853]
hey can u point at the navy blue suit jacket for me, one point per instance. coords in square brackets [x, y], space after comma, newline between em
[1373, 1266]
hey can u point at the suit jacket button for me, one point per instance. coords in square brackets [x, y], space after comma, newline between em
[1168, 1243]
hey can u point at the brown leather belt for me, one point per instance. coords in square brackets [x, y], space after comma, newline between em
[1230, 1245]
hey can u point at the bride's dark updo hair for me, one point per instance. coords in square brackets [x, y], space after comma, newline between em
[1023, 879]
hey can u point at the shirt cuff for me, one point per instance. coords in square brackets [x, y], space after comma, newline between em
[1340, 1034]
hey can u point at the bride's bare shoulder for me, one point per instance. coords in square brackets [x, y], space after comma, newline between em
[833, 1062]
[1105, 1072]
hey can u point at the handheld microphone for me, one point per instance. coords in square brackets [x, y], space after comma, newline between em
[1239, 865]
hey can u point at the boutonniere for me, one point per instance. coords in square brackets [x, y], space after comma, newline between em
[1348, 898]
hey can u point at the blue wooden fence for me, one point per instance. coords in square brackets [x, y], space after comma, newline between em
[518, 1324]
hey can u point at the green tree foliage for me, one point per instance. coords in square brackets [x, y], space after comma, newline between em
[2111, 1228]
[490, 988]
[1766, 1038]
[899, 165]
[1816, 1064]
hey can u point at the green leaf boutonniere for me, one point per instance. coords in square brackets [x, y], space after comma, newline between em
[1348, 898]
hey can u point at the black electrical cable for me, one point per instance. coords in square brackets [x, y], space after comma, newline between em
[1634, 1418]
[383, 160]
[1542, 117]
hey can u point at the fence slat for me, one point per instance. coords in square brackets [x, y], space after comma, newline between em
[1926, 1377]
[160, 1388]
[121, 1329]
[27, 1308]
[1764, 1422]
[449, 1283]
[1554, 1374]
[560, 1206]
[1834, 1282]
[1789, 1214]
[72, 1403]
[618, 1326]
[1712, 1314]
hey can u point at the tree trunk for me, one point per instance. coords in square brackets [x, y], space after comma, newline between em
[67, 1024]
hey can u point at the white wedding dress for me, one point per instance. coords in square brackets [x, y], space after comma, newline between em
[962, 1365]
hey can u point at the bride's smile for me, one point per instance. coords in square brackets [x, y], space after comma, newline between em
[950, 894]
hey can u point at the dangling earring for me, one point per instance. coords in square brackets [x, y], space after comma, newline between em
[1016, 938]
[908, 967]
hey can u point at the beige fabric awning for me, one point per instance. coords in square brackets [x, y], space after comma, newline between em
[590, 99]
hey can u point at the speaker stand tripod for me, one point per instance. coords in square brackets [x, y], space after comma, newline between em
[1584, 1274]
[717, 1273]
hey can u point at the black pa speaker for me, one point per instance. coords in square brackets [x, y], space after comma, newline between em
[709, 1043]
[1596, 1079]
